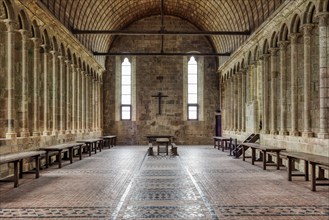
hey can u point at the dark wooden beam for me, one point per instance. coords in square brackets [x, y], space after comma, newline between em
[161, 32]
[161, 54]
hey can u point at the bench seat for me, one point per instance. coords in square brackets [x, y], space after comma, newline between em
[17, 159]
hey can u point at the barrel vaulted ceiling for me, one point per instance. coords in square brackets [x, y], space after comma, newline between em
[206, 15]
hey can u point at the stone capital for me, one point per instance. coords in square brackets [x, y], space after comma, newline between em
[323, 18]
[274, 51]
[283, 45]
[11, 25]
[307, 29]
[37, 42]
[25, 34]
[294, 37]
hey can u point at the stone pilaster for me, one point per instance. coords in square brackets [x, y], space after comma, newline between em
[62, 81]
[239, 101]
[93, 103]
[83, 101]
[36, 91]
[45, 91]
[243, 98]
[294, 84]
[54, 93]
[307, 31]
[266, 112]
[274, 73]
[74, 95]
[78, 82]
[324, 78]
[68, 96]
[283, 86]
[232, 104]
[11, 133]
[87, 103]
[25, 85]
[235, 104]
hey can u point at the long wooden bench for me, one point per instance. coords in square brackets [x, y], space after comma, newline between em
[314, 160]
[92, 144]
[264, 150]
[17, 159]
[61, 148]
[109, 141]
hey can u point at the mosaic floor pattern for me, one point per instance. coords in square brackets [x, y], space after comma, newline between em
[124, 183]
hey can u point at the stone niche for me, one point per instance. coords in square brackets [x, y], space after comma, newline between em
[163, 74]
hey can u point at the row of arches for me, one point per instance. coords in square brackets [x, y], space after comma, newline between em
[282, 77]
[47, 86]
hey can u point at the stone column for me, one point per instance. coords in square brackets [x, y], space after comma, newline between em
[62, 95]
[273, 52]
[68, 97]
[36, 91]
[232, 103]
[78, 81]
[294, 84]
[54, 98]
[74, 105]
[243, 95]
[266, 112]
[324, 78]
[93, 104]
[25, 86]
[239, 100]
[83, 92]
[45, 91]
[87, 103]
[283, 86]
[307, 30]
[11, 133]
[101, 104]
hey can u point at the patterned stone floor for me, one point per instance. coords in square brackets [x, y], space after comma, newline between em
[125, 183]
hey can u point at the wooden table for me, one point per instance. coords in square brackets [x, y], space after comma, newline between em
[92, 144]
[109, 140]
[264, 150]
[163, 141]
[153, 137]
[221, 142]
[308, 158]
[17, 159]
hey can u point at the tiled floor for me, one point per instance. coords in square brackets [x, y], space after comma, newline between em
[125, 183]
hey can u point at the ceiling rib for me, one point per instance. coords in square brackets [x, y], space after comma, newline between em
[161, 32]
[161, 54]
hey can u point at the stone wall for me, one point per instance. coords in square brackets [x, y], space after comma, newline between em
[148, 71]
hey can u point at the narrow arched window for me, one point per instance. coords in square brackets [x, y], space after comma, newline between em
[192, 89]
[126, 90]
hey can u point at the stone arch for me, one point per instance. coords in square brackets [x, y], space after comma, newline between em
[283, 35]
[45, 38]
[23, 20]
[309, 14]
[54, 44]
[62, 50]
[10, 9]
[295, 24]
[69, 56]
[249, 58]
[84, 66]
[324, 6]
[274, 40]
[74, 60]
[79, 63]
[265, 47]
[256, 53]
[242, 63]
[238, 67]
[35, 29]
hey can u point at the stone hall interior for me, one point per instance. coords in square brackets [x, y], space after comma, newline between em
[164, 109]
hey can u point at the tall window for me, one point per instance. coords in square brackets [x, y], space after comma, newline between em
[126, 90]
[192, 90]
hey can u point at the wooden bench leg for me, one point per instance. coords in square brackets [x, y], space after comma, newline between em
[21, 168]
[37, 166]
[80, 152]
[253, 152]
[16, 175]
[59, 158]
[313, 178]
[71, 154]
[89, 148]
[243, 154]
[264, 160]
[277, 160]
[306, 170]
[289, 167]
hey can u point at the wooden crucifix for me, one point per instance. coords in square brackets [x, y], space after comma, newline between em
[159, 96]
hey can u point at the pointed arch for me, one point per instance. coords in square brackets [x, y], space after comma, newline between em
[69, 56]
[24, 22]
[35, 29]
[309, 14]
[249, 58]
[45, 38]
[256, 53]
[62, 50]
[283, 35]
[295, 24]
[274, 40]
[54, 44]
[265, 47]
[10, 9]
